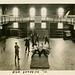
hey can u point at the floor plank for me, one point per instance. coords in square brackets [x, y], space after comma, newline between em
[61, 57]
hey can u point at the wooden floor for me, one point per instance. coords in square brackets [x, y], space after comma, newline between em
[61, 57]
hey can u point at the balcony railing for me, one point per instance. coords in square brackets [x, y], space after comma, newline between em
[6, 19]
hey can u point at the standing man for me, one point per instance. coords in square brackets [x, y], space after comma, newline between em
[16, 51]
[27, 44]
[37, 39]
[32, 39]
[46, 39]
[4, 45]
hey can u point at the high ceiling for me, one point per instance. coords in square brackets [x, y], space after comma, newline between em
[52, 8]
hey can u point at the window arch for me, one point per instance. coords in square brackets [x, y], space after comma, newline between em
[43, 12]
[32, 12]
[15, 12]
[60, 12]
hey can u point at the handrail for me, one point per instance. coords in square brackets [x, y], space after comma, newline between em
[6, 19]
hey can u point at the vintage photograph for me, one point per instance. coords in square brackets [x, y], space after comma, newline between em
[37, 37]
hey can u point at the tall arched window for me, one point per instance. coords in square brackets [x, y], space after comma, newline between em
[32, 12]
[15, 12]
[43, 12]
[60, 12]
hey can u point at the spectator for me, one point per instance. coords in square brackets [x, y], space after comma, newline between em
[46, 39]
[16, 51]
[37, 39]
[27, 44]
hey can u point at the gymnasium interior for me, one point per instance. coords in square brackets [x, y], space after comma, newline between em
[18, 21]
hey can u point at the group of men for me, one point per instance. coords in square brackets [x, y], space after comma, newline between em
[34, 39]
[35, 44]
[41, 49]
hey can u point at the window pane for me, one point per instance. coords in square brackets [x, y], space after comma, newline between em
[0, 27]
[15, 25]
[74, 27]
[43, 25]
[32, 25]
[60, 25]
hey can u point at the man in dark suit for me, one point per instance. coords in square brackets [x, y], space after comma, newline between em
[27, 44]
[46, 39]
[16, 51]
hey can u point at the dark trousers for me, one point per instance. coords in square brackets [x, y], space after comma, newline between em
[35, 52]
[46, 41]
[27, 47]
[33, 44]
[17, 55]
[43, 52]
